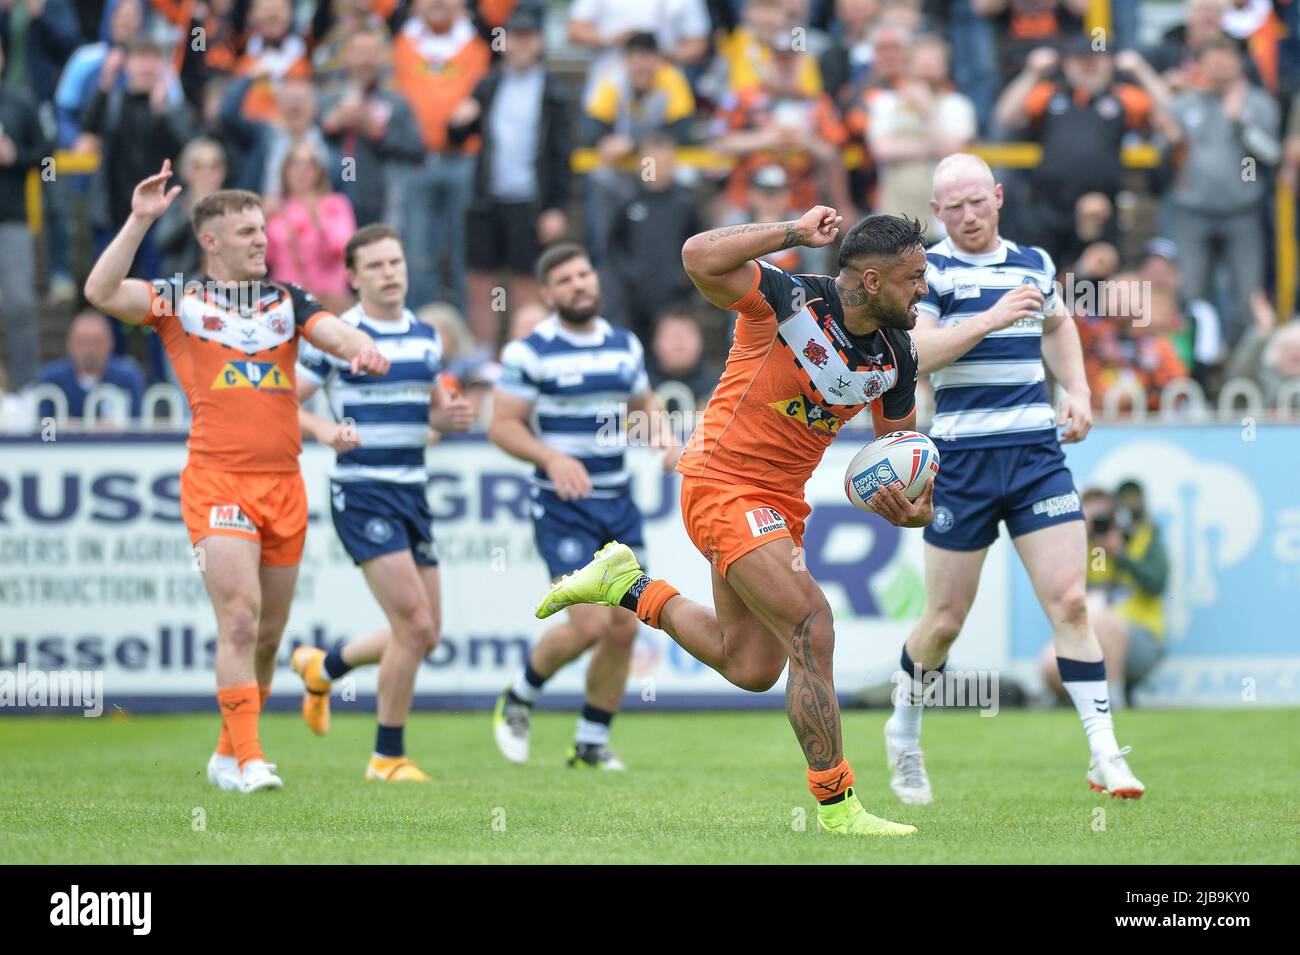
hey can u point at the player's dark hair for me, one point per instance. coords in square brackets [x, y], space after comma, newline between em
[645, 42]
[367, 235]
[555, 256]
[881, 236]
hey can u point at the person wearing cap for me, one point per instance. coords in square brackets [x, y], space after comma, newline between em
[769, 201]
[1199, 337]
[522, 178]
[1080, 118]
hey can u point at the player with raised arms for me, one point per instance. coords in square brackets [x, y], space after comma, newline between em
[810, 352]
[987, 325]
[378, 491]
[232, 336]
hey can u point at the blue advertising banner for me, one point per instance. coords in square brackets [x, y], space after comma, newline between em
[1227, 502]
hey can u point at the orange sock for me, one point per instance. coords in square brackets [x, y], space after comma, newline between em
[651, 602]
[240, 707]
[224, 746]
[827, 783]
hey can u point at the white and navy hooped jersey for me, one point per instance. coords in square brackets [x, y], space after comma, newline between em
[579, 384]
[391, 412]
[995, 394]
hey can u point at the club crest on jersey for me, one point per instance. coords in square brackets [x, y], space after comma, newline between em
[764, 520]
[228, 517]
[213, 323]
[815, 353]
[871, 391]
[808, 412]
[279, 325]
[262, 375]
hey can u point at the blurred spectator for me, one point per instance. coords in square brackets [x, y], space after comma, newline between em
[778, 123]
[38, 36]
[274, 53]
[1223, 130]
[91, 362]
[1196, 336]
[81, 76]
[1094, 222]
[769, 201]
[1268, 354]
[677, 354]
[680, 29]
[372, 126]
[14, 415]
[201, 171]
[847, 61]
[1128, 571]
[891, 45]
[648, 95]
[974, 57]
[912, 127]
[526, 318]
[1124, 342]
[265, 143]
[138, 127]
[745, 54]
[330, 57]
[438, 59]
[798, 20]
[521, 185]
[1255, 24]
[22, 147]
[643, 268]
[1026, 25]
[1081, 121]
[1177, 55]
[306, 237]
[460, 352]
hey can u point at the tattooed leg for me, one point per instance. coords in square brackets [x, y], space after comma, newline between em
[810, 701]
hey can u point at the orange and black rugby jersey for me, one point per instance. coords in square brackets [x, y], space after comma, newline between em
[793, 377]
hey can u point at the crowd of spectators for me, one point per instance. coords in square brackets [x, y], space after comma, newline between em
[485, 130]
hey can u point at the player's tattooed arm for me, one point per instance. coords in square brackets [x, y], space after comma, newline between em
[718, 261]
[810, 701]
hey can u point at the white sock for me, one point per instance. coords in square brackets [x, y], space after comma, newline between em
[589, 732]
[525, 690]
[904, 727]
[1092, 700]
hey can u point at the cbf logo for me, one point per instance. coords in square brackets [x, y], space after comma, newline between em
[804, 410]
[260, 375]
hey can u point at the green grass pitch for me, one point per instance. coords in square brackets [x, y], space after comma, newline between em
[717, 787]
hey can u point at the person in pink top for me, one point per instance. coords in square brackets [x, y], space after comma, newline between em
[307, 234]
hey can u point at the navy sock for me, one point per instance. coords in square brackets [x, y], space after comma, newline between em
[907, 666]
[389, 741]
[335, 667]
[629, 599]
[594, 714]
[534, 678]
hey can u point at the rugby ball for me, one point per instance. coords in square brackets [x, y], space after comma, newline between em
[903, 459]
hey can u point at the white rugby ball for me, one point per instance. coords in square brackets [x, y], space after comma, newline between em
[903, 459]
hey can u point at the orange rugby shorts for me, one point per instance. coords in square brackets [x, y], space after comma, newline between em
[267, 507]
[727, 521]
